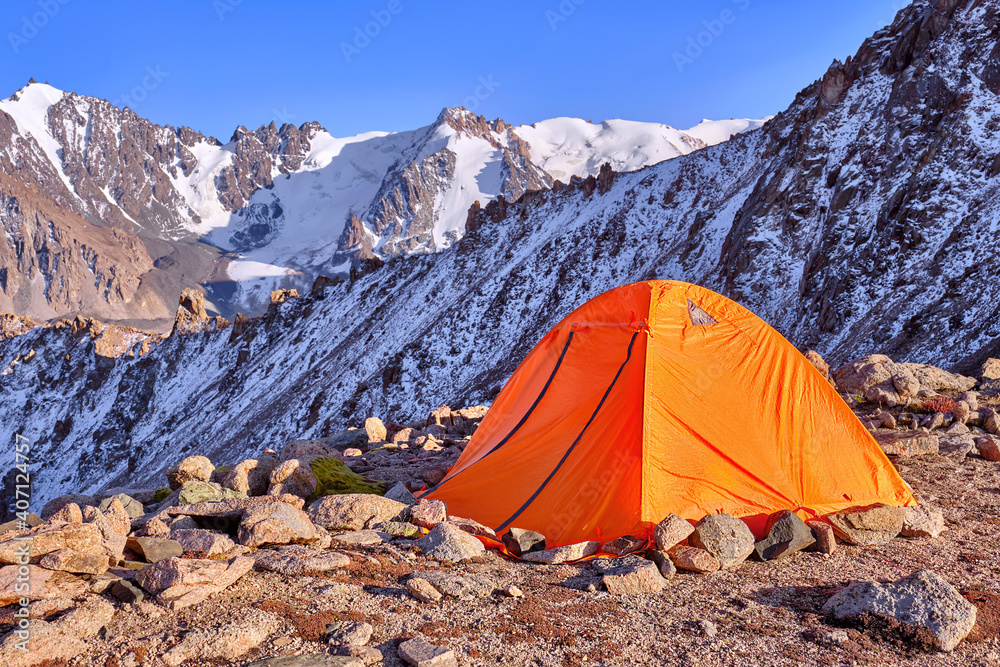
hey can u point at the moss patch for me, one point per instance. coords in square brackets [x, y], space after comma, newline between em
[161, 494]
[333, 477]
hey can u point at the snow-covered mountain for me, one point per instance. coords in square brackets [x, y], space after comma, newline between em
[271, 208]
[864, 218]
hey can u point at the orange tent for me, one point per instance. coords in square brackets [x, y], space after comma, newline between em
[661, 397]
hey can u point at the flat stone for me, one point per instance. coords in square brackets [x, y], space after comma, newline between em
[923, 599]
[295, 560]
[634, 578]
[275, 523]
[428, 513]
[724, 536]
[361, 537]
[786, 535]
[315, 660]
[49, 537]
[563, 554]
[922, 521]
[204, 492]
[449, 544]
[868, 527]
[228, 642]
[232, 508]
[131, 506]
[419, 653]
[69, 560]
[42, 584]
[179, 583]
[422, 590]
[671, 531]
[202, 543]
[464, 587]
[520, 541]
[61, 640]
[399, 529]
[472, 527]
[401, 494]
[127, 592]
[355, 511]
[693, 559]
[826, 541]
[367, 654]
[155, 549]
[349, 633]
[663, 562]
[909, 443]
[623, 546]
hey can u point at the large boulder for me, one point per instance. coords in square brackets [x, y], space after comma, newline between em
[276, 523]
[204, 492]
[251, 476]
[450, 544]
[181, 582]
[880, 380]
[56, 642]
[42, 584]
[355, 511]
[57, 504]
[724, 536]
[49, 537]
[868, 527]
[227, 643]
[923, 599]
[787, 533]
[306, 449]
[191, 469]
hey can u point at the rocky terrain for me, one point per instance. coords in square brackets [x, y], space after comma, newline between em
[296, 557]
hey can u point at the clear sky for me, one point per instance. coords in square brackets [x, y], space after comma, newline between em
[217, 64]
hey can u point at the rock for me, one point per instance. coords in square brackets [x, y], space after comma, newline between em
[294, 477]
[375, 430]
[708, 628]
[693, 559]
[192, 493]
[401, 494]
[787, 533]
[957, 445]
[314, 477]
[276, 523]
[520, 541]
[399, 529]
[57, 504]
[144, 496]
[49, 537]
[354, 511]
[433, 476]
[922, 521]
[69, 560]
[989, 448]
[180, 583]
[634, 577]
[251, 477]
[361, 537]
[191, 469]
[564, 554]
[422, 590]
[826, 541]
[127, 592]
[228, 642]
[869, 527]
[463, 587]
[305, 449]
[990, 369]
[58, 641]
[231, 508]
[367, 654]
[834, 638]
[317, 660]
[349, 437]
[663, 562]
[472, 527]
[905, 383]
[961, 412]
[512, 591]
[881, 380]
[349, 633]
[419, 653]
[133, 508]
[428, 513]
[671, 531]
[623, 546]
[912, 443]
[992, 424]
[202, 543]
[155, 549]
[42, 584]
[449, 544]
[923, 599]
[70, 513]
[725, 537]
[814, 358]
[296, 560]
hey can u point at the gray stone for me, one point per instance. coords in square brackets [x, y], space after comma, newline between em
[362, 537]
[127, 592]
[155, 549]
[725, 537]
[422, 590]
[57, 504]
[180, 583]
[922, 521]
[401, 494]
[204, 492]
[276, 523]
[671, 531]
[251, 476]
[923, 599]
[202, 543]
[623, 546]
[354, 511]
[464, 587]
[788, 534]
[191, 469]
[632, 578]
[449, 544]
[419, 653]
[520, 541]
[399, 529]
[349, 633]
[564, 554]
[909, 443]
[131, 506]
[428, 513]
[296, 560]
[868, 527]
[226, 643]
[663, 562]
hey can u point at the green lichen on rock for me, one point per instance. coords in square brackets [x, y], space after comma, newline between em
[161, 494]
[205, 492]
[333, 477]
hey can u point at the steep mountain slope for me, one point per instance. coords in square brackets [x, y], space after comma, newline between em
[271, 208]
[863, 218]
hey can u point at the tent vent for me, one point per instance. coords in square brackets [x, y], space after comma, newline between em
[698, 316]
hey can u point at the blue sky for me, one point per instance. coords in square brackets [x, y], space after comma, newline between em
[216, 64]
